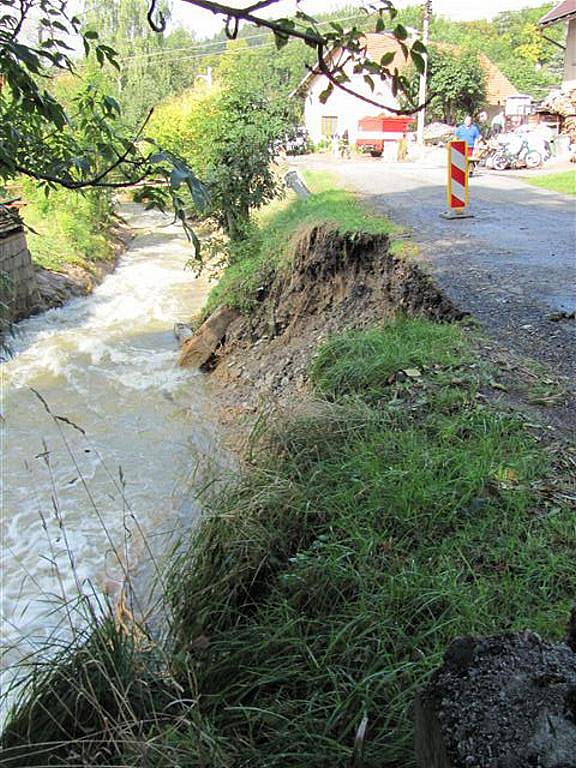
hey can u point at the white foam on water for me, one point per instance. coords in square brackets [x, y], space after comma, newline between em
[134, 425]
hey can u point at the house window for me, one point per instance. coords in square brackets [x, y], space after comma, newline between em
[329, 126]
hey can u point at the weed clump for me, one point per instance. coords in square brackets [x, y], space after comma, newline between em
[90, 702]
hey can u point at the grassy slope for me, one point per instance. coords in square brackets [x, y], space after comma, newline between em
[68, 228]
[325, 587]
[564, 182]
[363, 539]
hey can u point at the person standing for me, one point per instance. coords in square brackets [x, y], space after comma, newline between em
[468, 132]
[345, 145]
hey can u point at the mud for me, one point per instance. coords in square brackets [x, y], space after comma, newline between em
[507, 701]
[335, 282]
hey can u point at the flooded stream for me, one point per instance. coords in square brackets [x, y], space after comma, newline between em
[78, 490]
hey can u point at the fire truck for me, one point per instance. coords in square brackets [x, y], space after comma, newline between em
[375, 132]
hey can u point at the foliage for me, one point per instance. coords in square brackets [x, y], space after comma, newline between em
[153, 64]
[511, 40]
[458, 83]
[228, 135]
[564, 182]
[68, 227]
[39, 138]
[322, 590]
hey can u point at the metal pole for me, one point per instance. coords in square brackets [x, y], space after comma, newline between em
[207, 77]
[424, 75]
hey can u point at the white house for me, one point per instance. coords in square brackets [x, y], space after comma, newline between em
[342, 110]
[565, 12]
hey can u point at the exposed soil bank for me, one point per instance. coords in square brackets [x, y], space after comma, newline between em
[336, 282]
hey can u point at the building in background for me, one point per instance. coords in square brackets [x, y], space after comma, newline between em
[344, 111]
[565, 13]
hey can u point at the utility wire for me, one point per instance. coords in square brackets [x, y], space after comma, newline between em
[202, 46]
[204, 55]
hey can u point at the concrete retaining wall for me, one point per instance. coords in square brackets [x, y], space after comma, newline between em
[18, 288]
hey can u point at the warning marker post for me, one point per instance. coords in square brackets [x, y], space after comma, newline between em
[457, 181]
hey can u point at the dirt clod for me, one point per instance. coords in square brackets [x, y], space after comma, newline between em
[500, 702]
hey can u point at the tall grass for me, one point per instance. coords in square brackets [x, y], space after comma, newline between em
[319, 594]
[67, 227]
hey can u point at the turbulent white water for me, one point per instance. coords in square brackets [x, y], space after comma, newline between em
[106, 363]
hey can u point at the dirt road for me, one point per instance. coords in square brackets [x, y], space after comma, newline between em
[513, 266]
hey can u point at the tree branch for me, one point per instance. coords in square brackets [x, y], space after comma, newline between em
[326, 71]
[98, 180]
[316, 41]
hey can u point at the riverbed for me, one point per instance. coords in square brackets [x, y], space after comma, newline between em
[102, 436]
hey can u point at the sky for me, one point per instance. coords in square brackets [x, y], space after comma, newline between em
[205, 24]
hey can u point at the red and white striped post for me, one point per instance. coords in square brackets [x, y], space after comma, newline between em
[457, 181]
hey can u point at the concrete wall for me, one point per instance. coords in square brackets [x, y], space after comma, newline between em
[18, 289]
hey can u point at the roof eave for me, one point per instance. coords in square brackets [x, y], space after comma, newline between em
[559, 20]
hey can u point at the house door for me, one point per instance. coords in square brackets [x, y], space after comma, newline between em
[329, 126]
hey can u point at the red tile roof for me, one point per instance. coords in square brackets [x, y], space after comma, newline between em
[564, 11]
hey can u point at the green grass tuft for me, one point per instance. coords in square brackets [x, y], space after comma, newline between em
[362, 363]
[326, 585]
[564, 182]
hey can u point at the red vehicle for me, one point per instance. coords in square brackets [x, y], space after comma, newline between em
[374, 132]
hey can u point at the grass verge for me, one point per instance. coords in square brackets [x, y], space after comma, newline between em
[321, 592]
[564, 182]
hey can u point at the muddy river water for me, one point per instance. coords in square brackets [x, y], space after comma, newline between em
[82, 493]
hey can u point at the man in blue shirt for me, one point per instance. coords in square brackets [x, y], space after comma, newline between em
[468, 132]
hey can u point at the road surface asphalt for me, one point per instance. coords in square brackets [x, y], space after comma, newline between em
[512, 266]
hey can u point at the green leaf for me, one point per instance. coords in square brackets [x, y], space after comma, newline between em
[387, 59]
[281, 40]
[419, 62]
[370, 81]
[400, 32]
[326, 93]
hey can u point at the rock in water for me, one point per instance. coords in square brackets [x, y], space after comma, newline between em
[183, 332]
[197, 350]
[507, 701]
